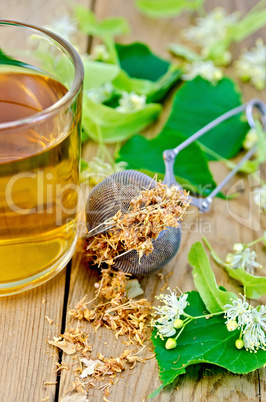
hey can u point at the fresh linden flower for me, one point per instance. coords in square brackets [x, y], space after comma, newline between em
[172, 309]
[254, 338]
[251, 65]
[130, 102]
[99, 170]
[251, 139]
[231, 325]
[173, 305]
[251, 321]
[100, 94]
[212, 29]
[259, 196]
[238, 247]
[100, 53]
[259, 316]
[238, 311]
[165, 328]
[245, 259]
[206, 69]
[64, 27]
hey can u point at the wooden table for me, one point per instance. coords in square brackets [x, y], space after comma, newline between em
[27, 361]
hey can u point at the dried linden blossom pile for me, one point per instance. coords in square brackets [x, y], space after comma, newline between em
[115, 311]
[149, 213]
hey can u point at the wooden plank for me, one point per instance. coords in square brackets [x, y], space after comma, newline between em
[27, 361]
[224, 225]
[36, 12]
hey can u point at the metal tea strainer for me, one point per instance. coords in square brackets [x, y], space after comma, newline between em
[116, 191]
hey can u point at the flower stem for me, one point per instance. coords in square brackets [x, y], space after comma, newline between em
[179, 333]
[190, 317]
[254, 242]
[214, 255]
[208, 315]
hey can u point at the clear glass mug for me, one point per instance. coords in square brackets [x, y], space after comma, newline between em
[41, 79]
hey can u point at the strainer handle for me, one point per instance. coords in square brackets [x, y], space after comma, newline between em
[169, 156]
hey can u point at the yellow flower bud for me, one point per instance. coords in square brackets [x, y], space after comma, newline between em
[239, 343]
[178, 323]
[170, 343]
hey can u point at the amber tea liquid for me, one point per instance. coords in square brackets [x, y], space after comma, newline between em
[39, 170]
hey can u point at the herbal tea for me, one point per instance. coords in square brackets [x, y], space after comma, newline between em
[39, 169]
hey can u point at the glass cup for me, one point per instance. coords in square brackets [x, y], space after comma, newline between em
[41, 79]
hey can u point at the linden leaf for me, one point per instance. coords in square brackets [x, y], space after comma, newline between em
[204, 279]
[197, 103]
[204, 341]
[103, 123]
[139, 62]
[89, 24]
[146, 73]
[5, 59]
[166, 8]
[97, 73]
[185, 52]
[254, 286]
[190, 168]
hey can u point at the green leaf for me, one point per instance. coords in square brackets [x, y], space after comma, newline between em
[197, 103]
[144, 73]
[166, 8]
[254, 286]
[204, 279]
[204, 341]
[83, 165]
[183, 51]
[150, 159]
[97, 73]
[124, 83]
[105, 124]
[108, 27]
[139, 62]
[163, 84]
[8, 60]
[154, 91]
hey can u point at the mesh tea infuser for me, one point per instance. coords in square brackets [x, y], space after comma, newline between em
[115, 192]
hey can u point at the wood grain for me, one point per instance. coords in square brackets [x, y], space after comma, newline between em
[26, 365]
[225, 224]
[27, 361]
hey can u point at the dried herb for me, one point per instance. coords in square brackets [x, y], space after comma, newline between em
[149, 213]
[115, 311]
